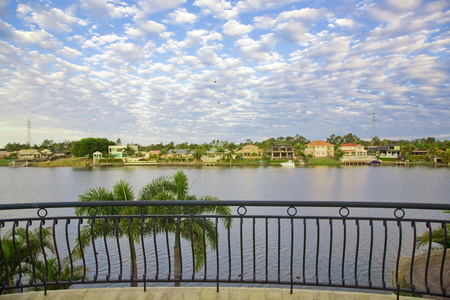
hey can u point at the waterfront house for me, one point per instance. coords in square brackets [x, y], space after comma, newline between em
[4, 154]
[320, 149]
[212, 155]
[281, 151]
[249, 151]
[353, 149]
[117, 151]
[179, 154]
[29, 154]
[391, 150]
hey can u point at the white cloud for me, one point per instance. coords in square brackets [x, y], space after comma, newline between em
[40, 38]
[144, 28]
[221, 9]
[234, 28]
[101, 9]
[69, 52]
[49, 18]
[181, 16]
[345, 23]
[97, 41]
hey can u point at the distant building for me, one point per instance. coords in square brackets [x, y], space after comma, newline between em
[117, 151]
[353, 149]
[250, 151]
[391, 150]
[320, 149]
[281, 151]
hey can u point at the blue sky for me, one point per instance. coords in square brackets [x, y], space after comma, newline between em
[150, 71]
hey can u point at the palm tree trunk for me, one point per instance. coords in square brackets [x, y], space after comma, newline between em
[177, 265]
[133, 264]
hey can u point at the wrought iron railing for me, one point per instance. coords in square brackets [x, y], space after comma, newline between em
[354, 245]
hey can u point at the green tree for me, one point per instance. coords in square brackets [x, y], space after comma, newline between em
[446, 156]
[122, 191]
[87, 146]
[162, 188]
[21, 249]
[407, 148]
[129, 151]
[339, 153]
[177, 188]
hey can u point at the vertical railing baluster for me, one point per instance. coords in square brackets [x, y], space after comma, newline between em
[267, 249]
[144, 275]
[30, 253]
[132, 251]
[16, 251]
[357, 252]
[441, 276]
[317, 251]
[254, 251]
[400, 236]
[217, 254]
[178, 237]
[241, 238]
[292, 255]
[304, 251]
[156, 250]
[41, 224]
[430, 234]
[411, 268]
[279, 249]
[204, 249]
[55, 221]
[168, 248]
[383, 268]
[69, 250]
[330, 253]
[369, 267]
[192, 248]
[94, 249]
[229, 249]
[118, 248]
[344, 245]
[108, 259]
[80, 242]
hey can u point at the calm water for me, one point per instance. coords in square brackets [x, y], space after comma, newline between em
[356, 183]
[392, 184]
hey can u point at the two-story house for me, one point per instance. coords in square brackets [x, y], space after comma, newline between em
[320, 149]
[281, 151]
[249, 151]
[353, 149]
[117, 151]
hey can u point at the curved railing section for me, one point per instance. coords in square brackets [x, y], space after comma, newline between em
[353, 245]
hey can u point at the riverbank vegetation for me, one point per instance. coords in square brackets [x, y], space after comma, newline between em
[77, 162]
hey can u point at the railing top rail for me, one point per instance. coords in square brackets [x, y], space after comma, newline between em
[250, 203]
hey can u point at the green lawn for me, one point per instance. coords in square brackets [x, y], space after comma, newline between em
[323, 161]
[3, 162]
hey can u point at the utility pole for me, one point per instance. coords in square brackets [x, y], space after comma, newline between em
[374, 127]
[29, 134]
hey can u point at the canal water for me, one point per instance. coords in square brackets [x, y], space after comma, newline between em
[320, 183]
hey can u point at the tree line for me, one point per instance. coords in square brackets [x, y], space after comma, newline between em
[87, 146]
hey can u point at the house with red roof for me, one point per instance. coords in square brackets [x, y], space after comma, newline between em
[320, 149]
[353, 149]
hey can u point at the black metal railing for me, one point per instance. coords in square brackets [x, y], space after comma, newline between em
[354, 245]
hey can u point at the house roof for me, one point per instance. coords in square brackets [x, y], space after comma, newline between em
[319, 143]
[28, 151]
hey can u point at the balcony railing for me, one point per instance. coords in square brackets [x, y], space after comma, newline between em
[350, 245]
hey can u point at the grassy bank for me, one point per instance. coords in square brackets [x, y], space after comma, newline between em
[79, 162]
[323, 161]
[3, 162]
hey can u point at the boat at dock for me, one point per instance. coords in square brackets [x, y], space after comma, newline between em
[289, 163]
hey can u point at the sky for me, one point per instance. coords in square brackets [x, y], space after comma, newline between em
[151, 71]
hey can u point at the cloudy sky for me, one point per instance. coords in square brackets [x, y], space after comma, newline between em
[150, 71]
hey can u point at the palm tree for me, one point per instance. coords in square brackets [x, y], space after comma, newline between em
[21, 249]
[53, 271]
[122, 191]
[162, 188]
[177, 188]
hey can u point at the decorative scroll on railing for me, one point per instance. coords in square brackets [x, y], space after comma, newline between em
[353, 245]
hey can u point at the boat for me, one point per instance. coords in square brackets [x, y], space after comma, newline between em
[289, 163]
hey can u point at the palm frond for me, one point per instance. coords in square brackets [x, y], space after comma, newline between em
[123, 191]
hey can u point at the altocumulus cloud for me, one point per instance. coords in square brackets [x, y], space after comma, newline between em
[176, 70]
